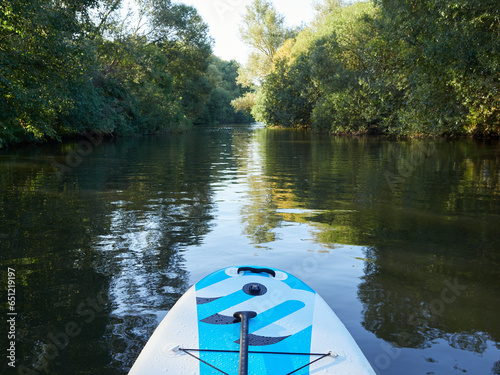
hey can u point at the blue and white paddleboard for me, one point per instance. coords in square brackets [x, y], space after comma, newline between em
[290, 329]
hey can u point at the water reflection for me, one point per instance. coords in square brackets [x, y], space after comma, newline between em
[427, 213]
[108, 231]
[46, 239]
[401, 238]
[259, 217]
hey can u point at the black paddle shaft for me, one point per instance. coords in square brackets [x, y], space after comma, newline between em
[244, 317]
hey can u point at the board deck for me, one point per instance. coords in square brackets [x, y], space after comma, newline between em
[293, 327]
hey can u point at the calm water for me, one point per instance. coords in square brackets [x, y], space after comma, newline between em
[400, 238]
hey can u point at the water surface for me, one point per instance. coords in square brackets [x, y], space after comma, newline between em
[400, 238]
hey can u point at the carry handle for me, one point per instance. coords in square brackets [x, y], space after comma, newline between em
[257, 270]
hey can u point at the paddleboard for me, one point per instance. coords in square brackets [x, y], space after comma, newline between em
[251, 320]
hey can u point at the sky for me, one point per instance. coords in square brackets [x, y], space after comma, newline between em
[224, 17]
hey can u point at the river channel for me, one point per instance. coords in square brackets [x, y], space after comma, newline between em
[401, 238]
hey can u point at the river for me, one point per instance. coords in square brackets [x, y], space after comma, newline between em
[401, 238]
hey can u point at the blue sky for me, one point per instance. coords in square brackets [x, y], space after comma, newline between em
[224, 16]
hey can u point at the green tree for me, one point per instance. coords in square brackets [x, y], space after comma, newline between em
[182, 36]
[287, 96]
[329, 77]
[399, 67]
[356, 73]
[323, 8]
[44, 51]
[221, 76]
[263, 29]
[245, 103]
[451, 63]
[94, 65]
[87, 65]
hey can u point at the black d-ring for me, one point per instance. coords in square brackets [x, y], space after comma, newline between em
[257, 270]
[254, 289]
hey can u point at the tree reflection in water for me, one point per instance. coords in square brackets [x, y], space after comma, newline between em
[117, 227]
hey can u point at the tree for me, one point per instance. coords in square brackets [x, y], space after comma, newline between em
[323, 8]
[221, 76]
[44, 51]
[401, 67]
[245, 103]
[285, 98]
[79, 65]
[451, 59]
[263, 30]
[326, 79]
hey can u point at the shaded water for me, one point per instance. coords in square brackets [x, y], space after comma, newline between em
[400, 238]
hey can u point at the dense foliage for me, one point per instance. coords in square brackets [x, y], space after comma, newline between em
[89, 65]
[394, 66]
[222, 79]
[263, 30]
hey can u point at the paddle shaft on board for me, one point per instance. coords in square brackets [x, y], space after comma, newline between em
[244, 317]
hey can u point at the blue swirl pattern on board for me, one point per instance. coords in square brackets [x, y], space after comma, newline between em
[216, 330]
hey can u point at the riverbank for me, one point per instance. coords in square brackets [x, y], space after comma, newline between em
[110, 136]
[69, 69]
[375, 68]
[477, 137]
